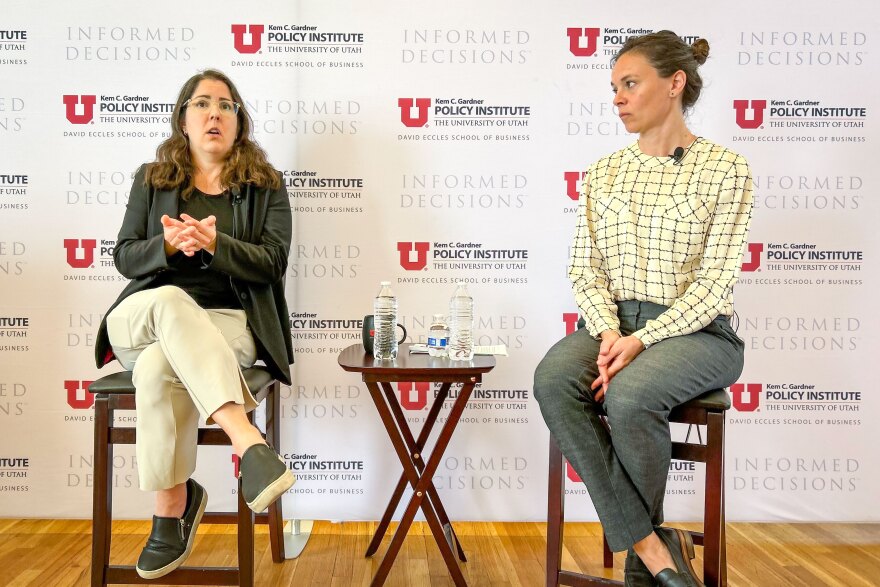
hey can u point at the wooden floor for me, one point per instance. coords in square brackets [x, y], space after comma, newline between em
[56, 553]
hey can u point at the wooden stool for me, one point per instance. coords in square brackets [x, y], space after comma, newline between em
[707, 410]
[116, 392]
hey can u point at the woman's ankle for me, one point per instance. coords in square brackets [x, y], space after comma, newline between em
[243, 444]
[654, 553]
[171, 502]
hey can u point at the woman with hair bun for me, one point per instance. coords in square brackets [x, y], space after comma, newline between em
[204, 240]
[661, 228]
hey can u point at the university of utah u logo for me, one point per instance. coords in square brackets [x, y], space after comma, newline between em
[256, 33]
[573, 184]
[413, 396]
[71, 101]
[406, 260]
[754, 257]
[571, 320]
[88, 255]
[575, 43]
[78, 396]
[757, 107]
[745, 397]
[406, 116]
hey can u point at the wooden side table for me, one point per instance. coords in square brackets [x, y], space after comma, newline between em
[417, 471]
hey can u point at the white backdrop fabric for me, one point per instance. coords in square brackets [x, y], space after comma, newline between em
[425, 144]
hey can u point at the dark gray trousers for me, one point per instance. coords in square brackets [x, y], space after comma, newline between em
[625, 472]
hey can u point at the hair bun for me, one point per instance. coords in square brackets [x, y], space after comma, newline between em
[700, 48]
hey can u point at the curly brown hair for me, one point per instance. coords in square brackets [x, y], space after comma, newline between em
[246, 163]
[667, 53]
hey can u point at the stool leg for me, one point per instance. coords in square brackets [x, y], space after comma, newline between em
[245, 541]
[555, 514]
[714, 516]
[607, 555]
[273, 437]
[102, 492]
[723, 575]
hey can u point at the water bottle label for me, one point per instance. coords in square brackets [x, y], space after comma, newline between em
[437, 342]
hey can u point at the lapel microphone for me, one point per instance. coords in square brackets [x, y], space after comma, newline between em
[677, 154]
[237, 197]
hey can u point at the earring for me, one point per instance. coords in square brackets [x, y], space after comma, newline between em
[672, 94]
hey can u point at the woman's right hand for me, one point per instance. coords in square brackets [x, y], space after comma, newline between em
[600, 384]
[174, 239]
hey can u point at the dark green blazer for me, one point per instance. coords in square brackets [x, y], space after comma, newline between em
[254, 257]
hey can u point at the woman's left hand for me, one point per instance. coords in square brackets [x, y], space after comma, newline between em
[621, 354]
[203, 232]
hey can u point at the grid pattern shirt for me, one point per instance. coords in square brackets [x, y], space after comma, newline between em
[652, 230]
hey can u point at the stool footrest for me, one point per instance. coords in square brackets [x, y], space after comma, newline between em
[119, 574]
[231, 518]
[206, 436]
[578, 580]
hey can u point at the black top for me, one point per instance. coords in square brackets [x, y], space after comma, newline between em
[209, 288]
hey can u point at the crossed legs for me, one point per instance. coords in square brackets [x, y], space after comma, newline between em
[185, 364]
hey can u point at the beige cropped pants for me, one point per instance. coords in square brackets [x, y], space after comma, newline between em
[185, 361]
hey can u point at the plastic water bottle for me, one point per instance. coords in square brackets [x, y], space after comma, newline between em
[438, 336]
[461, 324]
[385, 323]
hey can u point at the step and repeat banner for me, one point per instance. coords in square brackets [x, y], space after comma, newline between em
[426, 145]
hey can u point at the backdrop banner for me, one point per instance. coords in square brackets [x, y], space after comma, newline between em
[427, 145]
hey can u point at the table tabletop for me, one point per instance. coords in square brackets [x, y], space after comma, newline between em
[355, 358]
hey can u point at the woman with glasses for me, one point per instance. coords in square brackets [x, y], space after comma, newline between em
[204, 240]
[661, 228]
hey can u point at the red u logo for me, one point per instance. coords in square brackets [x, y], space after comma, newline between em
[406, 117]
[757, 118]
[88, 108]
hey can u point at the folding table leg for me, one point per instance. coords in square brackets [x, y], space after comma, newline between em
[422, 482]
[415, 451]
[424, 434]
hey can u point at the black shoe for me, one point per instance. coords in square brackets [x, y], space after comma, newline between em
[681, 547]
[264, 477]
[171, 539]
[669, 578]
[636, 574]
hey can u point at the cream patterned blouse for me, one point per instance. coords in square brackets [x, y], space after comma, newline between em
[655, 230]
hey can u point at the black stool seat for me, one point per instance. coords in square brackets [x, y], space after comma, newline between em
[256, 378]
[716, 400]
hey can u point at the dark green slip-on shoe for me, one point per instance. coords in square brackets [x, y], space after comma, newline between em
[171, 539]
[264, 477]
[636, 574]
[669, 578]
[681, 547]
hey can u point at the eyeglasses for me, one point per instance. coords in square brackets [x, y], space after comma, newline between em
[227, 107]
